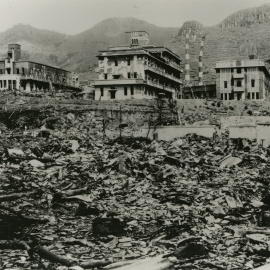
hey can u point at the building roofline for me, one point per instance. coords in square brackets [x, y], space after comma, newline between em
[137, 31]
[21, 61]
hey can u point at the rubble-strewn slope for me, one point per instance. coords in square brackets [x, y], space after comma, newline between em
[86, 199]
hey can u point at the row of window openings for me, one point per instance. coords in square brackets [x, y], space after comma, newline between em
[2, 71]
[229, 96]
[238, 83]
[3, 84]
[116, 62]
[117, 76]
[113, 92]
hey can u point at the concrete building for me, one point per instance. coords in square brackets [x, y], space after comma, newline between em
[137, 71]
[18, 74]
[242, 79]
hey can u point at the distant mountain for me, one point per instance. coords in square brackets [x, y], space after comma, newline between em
[237, 36]
[83, 48]
[37, 45]
[78, 52]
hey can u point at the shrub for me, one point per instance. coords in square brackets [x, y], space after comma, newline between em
[249, 112]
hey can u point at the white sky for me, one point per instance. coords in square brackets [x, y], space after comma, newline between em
[75, 16]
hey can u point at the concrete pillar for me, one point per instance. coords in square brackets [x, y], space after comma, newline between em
[135, 63]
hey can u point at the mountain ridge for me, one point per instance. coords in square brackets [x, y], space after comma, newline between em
[238, 35]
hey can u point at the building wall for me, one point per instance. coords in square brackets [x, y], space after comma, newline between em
[168, 133]
[251, 70]
[246, 132]
[107, 66]
[263, 135]
[139, 92]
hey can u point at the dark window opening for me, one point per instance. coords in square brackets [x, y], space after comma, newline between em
[239, 83]
[18, 71]
[135, 74]
[113, 94]
[225, 84]
[125, 91]
[253, 95]
[22, 71]
[257, 95]
[132, 90]
[217, 70]
[8, 70]
[128, 75]
[221, 96]
[238, 70]
[105, 76]
[128, 62]
[252, 83]
[1, 71]
[231, 70]
[248, 96]
[101, 91]
[116, 63]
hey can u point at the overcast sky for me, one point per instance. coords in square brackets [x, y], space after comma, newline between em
[75, 16]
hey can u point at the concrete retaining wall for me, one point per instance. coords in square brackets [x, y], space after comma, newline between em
[168, 133]
[243, 131]
[240, 120]
[263, 134]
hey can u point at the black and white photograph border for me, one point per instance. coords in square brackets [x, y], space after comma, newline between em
[134, 134]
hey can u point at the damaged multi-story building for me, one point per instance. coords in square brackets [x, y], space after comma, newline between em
[19, 74]
[247, 79]
[137, 70]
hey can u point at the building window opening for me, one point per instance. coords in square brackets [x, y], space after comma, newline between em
[22, 71]
[248, 96]
[131, 90]
[135, 74]
[8, 70]
[238, 83]
[257, 95]
[128, 75]
[252, 83]
[239, 70]
[253, 95]
[101, 92]
[18, 71]
[113, 94]
[225, 84]
[231, 70]
[116, 63]
[125, 91]
[128, 62]
[221, 96]
[105, 76]
[1, 71]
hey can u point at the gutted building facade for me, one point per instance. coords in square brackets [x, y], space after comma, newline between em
[31, 76]
[242, 79]
[137, 71]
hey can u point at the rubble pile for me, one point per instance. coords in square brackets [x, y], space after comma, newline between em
[79, 200]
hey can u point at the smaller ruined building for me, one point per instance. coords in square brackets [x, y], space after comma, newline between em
[242, 79]
[18, 74]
